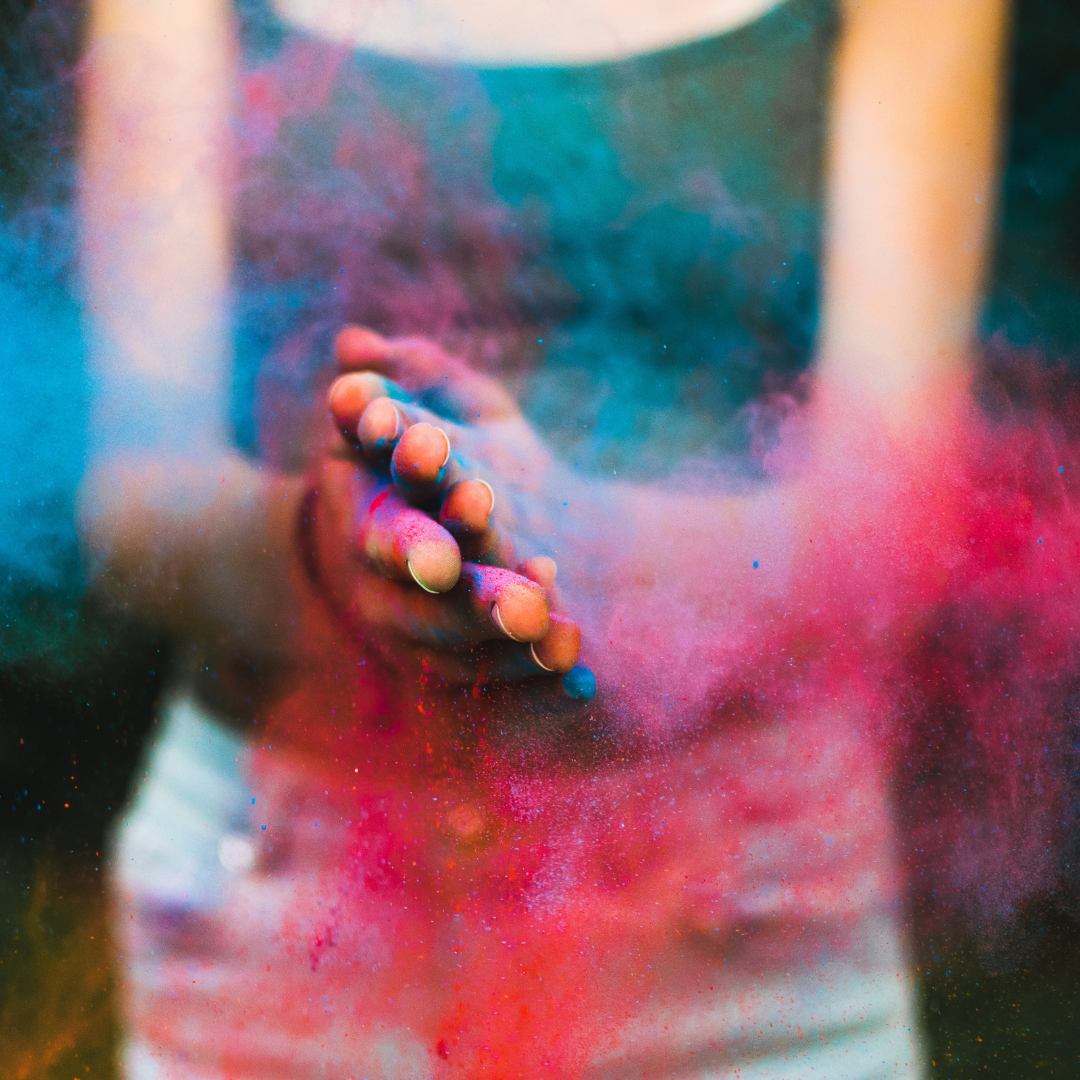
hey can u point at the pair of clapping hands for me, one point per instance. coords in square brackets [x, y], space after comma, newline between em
[412, 516]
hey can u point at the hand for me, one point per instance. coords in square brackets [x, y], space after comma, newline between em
[393, 467]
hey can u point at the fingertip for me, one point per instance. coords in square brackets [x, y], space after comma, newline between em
[467, 507]
[357, 347]
[402, 543]
[380, 427]
[349, 395]
[557, 651]
[420, 455]
[434, 566]
[520, 611]
[540, 569]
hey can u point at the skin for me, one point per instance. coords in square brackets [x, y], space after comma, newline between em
[156, 257]
[372, 548]
[912, 166]
[491, 588]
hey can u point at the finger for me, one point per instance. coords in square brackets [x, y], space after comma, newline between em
[380, 426]
[349, 395]
[419, 459]
[357, 347]
[466, 509]
[418, 452]
[488, 604]
[384, 421]
[557, 651]
[402, 542]
[540, 569]
[444, 382]
[421, 468]
[513, 605]
[466, 513]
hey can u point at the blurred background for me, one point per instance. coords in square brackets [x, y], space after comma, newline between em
[78, 690]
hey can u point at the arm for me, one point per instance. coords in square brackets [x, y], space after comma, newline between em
[154, 160]
[912, 174]
[179, 528]
[911, 182]
[169, 513]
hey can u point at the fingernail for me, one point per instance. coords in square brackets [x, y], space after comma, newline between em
[491, 508]
[419, 581]
[536, 659]
[446, 456]
[497, 619]
[371, 428]
[399, 427]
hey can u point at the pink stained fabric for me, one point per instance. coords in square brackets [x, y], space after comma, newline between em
[730, 913]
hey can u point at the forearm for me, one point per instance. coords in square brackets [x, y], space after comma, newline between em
[154, 159]
[176, 527]
[912, 176]
[204, 549]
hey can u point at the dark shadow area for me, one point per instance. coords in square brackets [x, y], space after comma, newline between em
[1006, 1012]
[1035, 288]
[71, 729]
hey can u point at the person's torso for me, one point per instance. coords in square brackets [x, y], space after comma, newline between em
[633, 244]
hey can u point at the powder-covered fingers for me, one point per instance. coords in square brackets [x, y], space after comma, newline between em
[394, 433]
[422, 465]
[404, 543]
[514, 606]
[444, 382]
[378, 430]
[419, 462]
[357, 347]
[426, 593]
[487, 605]
[466, 512]
[415, 447]
[557, 651]
[349, 395]
[466, 508]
